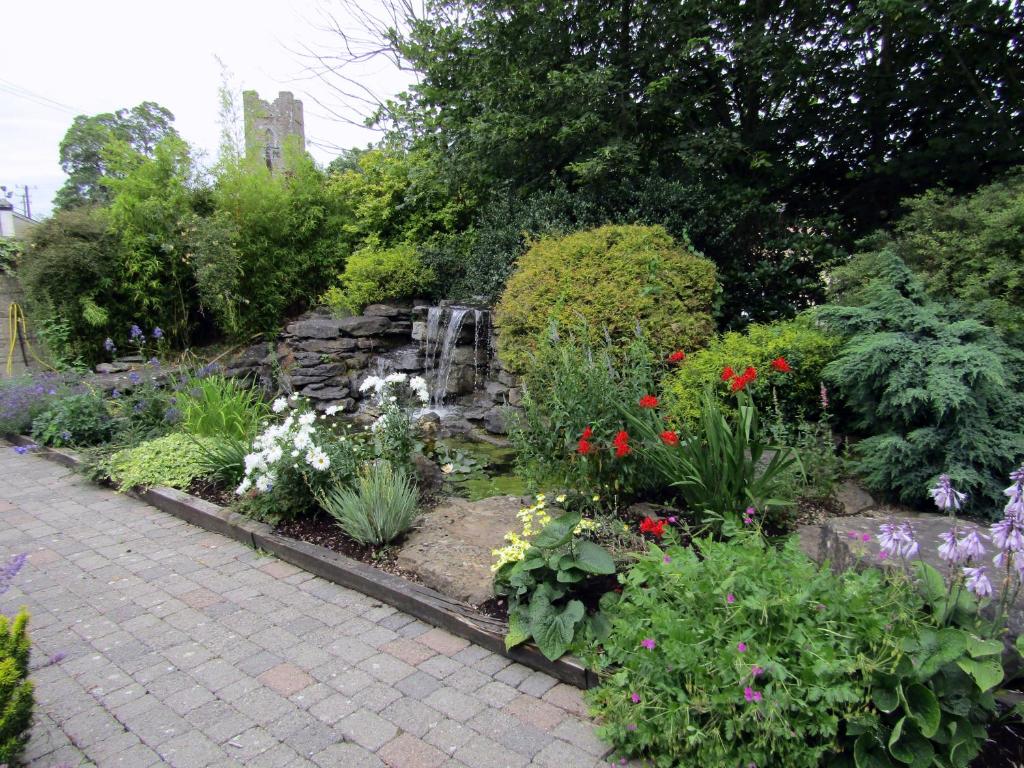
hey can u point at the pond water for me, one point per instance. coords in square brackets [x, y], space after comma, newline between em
[478, 470]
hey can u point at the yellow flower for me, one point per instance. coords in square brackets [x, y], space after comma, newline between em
[560, 498]
[595, 497]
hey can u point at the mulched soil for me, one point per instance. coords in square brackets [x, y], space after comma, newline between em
[208, 490]
[326, 533]
[1004, 748]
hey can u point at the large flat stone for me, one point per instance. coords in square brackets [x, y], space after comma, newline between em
[451, 549]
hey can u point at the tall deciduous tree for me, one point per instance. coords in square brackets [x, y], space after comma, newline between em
[770, 131]
[85, 149]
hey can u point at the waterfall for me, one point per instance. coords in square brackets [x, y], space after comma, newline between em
[440, 349]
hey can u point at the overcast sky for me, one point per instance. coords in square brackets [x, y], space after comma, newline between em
[63, 58]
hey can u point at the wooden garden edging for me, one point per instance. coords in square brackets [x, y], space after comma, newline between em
[426, 604]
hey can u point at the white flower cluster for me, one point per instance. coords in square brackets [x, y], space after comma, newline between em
[383, 387]
[286, 441]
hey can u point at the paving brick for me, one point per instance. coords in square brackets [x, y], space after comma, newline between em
[568, 698]
[537, 684]
[347, 755]
[481, 752]
[455, 704]
[409, 651]
[539, 713]
[368, 730]
[412, 716]
[407, 751]
[442, 642]
[286, 679]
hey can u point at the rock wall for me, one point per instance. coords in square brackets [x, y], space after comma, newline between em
[326, 358]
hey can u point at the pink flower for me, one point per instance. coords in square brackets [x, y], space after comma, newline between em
[756, 671]
[741, 647]
[634, 697]
[672, 520]
[748, 693]
[883, 555]
[730, 598]
[631, 727]
[757, 695]
[648, 643]
[666, 559]
[865, 537]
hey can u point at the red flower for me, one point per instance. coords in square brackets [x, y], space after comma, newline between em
[750, 374]
[654, 527]
[738, 383]
[621, 443]
[780, 365]
[677, 357]
[668, 437]
[648, 401]
[587, 433]
[584, 446]
[727, 373]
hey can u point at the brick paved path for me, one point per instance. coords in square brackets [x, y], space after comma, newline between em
[185, 648]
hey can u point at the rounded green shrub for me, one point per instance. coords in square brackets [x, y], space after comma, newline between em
[375, 274]
[608, 280]
[16, 700]
[806, 348]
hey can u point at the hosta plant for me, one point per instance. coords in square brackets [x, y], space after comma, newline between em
[542, 575]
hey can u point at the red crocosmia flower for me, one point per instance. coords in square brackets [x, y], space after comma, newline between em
[584, 447]
[648, 401]
[677, 357]
[728, 373]
[750, 373]
[653, 527]
[587, 433]
[738, 383]
[621, 443]
[780, 365]
[668, 437]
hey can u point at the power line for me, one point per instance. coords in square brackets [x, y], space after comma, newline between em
[45, 101]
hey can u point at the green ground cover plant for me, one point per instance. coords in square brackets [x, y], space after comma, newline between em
[74, 420]
[606, 282]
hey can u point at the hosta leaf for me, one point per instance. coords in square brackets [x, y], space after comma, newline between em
[978, 647]
[518, 632]
[593, 558]
[987, 673]
[558, 531]
[886, 699]
[553, 630]
[923, 708]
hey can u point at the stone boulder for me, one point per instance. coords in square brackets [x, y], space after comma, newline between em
[450, 550]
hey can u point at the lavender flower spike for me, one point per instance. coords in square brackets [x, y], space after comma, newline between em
[977, 581]
[1016, 493]
[9, 571]
[950, 549]
[946, 497]
[971, 547]
[897, 540]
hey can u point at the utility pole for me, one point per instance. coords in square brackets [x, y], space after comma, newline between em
[27, 202]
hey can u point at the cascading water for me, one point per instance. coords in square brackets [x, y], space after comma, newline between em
[440, 349]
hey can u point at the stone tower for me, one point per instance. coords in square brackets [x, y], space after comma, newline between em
[268, 125]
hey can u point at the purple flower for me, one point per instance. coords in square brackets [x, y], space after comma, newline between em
[865, 537]
[109, 345]
[115, 393]
[1014, 560]
[946, 497]
[21, 450]
[949, 550]
[9, 571]
[631, 727]
[65, 435]
[172, 415]
[136, 333]
[666, 559]
[634, 697]
[154, 362]
[741, 647]
[971, 546]
[648, 643]
[730, 598]
[1008, 533]
[977, 581]
[672, 520]
[751, 695]
[896, 539]
[57, 658]
[157, 333]
[756, 671]
[134, 378]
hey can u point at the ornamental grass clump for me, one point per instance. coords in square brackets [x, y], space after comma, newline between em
[737, 653]
[378, 509]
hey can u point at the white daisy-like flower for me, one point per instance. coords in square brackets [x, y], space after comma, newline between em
[395, 378]
[371, 382]
[294, 454]
[287, 424]
[448, 468]
[331, 410]
[294, 396]
[302, 441]
[264, 483]
[253, 461]
[279, 405]
[273, 454]
[307, 418]
[244, 486]
[318, 460]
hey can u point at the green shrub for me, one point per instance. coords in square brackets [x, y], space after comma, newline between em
[74, 420]
[609, 281]
[805, 347]
[380, 508]
[743, 654]
[22, 398]
[374, 274]
[15, 688]
[929, 391]
[173, 460]
[572, 385]
[214, 406]
[971, 249]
